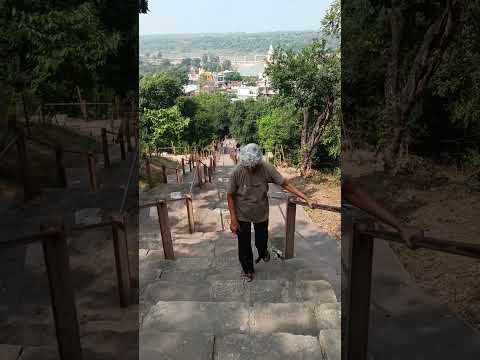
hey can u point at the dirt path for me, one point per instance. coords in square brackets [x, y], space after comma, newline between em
[324, 189]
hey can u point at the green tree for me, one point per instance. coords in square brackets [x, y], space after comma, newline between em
[418, 36]
[310, 78]
[279, 128]
[159, 91]
[331, 22]
[214, 111]
[159, 128]
[33, 38]
[233, 76]
[188, 106]
[244, 118]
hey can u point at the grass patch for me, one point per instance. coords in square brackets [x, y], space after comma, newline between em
[156, 169]
[161, 161]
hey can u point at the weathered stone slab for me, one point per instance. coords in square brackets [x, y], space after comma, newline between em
[150, 270]
[230, 290]
[226, 247]
[294, 318]
[330, 343]
[225, 261]
[328, 318]
[279, 346]
[187, 269]
[156, 345]
[273, 291]
[318, 291]
[198, 317]
[175, 291]
[203, 249]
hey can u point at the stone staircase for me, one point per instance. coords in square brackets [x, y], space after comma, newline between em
[198, 307]
[107, 331]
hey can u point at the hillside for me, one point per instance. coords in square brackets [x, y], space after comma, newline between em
[195, 45]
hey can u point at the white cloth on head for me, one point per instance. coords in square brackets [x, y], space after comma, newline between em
[250, 155]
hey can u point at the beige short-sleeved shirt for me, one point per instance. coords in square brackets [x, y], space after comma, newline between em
[250, 191]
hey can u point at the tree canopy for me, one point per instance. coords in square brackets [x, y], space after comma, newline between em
[310, 78]
[159, 91]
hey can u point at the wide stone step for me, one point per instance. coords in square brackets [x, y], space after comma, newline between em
[198, 317]
[294, 318]
[272, 291]
[154, 267]
[222, 318]
[199, 249]
[155, 345]
[279, 346]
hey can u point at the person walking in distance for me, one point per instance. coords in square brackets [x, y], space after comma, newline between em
[247, 198]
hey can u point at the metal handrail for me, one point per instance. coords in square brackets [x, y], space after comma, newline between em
[193, 181]
[130, 176]
[155, 203]
[452, 247]
[360, 278]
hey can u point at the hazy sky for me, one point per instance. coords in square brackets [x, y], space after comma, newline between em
[210, 16]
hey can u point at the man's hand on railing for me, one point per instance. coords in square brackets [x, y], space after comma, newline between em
[410, 234]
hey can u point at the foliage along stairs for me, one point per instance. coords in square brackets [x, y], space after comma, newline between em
[198, 307]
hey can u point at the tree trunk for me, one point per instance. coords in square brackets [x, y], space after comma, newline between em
[401, 98]
[311, 139]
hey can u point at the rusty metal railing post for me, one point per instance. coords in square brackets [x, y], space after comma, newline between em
[106, 156]
[121, 263]
[290, 229]
[148, 170]
[199, 173]
[205, 173]
[121, 141]
[163, 221]
[24, 167]
[164, 174]
[189, 205]
[55, 251]
[127, 133]
[62, 176]
[92, 171]
[358, 294]
[206, 170]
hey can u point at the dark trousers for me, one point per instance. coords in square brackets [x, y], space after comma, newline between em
[245, 254]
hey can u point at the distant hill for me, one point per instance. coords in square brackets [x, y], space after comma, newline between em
[195, 45]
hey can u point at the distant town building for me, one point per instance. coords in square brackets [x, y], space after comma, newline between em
[193, 78]
[190, 90]
[247, 92]
[270, 54]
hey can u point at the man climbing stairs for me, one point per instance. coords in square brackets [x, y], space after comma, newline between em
[198, 306]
